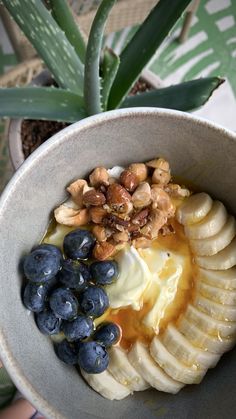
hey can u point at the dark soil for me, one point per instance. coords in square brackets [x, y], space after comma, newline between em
[35, 132]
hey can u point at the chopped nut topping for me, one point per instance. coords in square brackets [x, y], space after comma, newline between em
[100, 233]
[159, 164]
[140, 170]
[129, 180]
[156, 221]
[97, 214]
[176, 191]
[76, 190]
[117, 197]
[93, 197]
[71, 217]
[161, 177]
[141, 242]
[162, 201]
[122, 236]
[140, 218]
[142, 195]
[103, 250]
[99, 176]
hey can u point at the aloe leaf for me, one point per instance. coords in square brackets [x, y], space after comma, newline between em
[46, 103]
[143, 46]
[91, 72]
[63, 16]
[183, 97]
[110, 65]
[49, 40]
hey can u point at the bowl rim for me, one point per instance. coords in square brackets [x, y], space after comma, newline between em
[6, 353]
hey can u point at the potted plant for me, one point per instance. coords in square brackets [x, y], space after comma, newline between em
[86, 79]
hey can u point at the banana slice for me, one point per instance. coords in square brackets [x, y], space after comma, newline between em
[215, 310]
[212, 245]
[197, 337]
[194, 209]
[123, 371]
[225, 259]
[173, 367]
[210, 225]
[106, 385]
[222, 279]
[227, 297]
[180, 347]
[142, 361]
[209, 325]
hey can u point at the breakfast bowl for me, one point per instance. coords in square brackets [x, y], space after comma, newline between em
[202, 155]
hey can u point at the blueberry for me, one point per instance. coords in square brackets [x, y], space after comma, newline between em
[34, 296]
[47, 322]
[79, 328]
[63, 303]
[105, 272]
[50, 247]
[93, 301]
[66, 352]
[74, 275]
[107, 334]
[41, 265]
[78, 244]
[93, 357]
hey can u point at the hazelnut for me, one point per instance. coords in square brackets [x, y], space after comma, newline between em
[118, 197]
[76, 190]
[142, 195]
[94, 198]
[99, 176]
[159, 164]
[140, 170]
[97, 214]
[71, 217]
[129, 180]
[103, 250]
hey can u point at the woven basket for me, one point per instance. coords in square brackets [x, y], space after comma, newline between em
[22, 74]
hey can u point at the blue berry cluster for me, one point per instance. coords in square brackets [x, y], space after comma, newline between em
[65, 293]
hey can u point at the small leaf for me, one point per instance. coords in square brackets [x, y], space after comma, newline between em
[183, 97]
[110, 65]
[91, 78]
[41, 103]
[143, 46]
[63, 16]
[50, 42]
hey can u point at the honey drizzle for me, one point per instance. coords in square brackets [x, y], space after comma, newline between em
[130, 320]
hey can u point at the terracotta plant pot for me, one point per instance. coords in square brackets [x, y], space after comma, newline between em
[14, 134]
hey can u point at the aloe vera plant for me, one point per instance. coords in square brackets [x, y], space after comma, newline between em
[89, 79]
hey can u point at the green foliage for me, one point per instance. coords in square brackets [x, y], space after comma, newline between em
[105, 79]
[184, 96]
[63, 16]
[41, 103]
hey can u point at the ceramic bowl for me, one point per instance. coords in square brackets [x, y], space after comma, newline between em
[199, 152]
